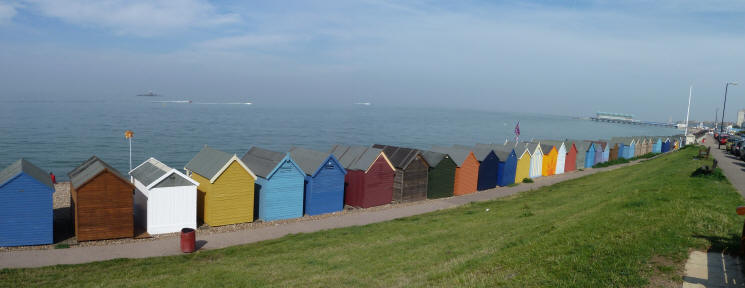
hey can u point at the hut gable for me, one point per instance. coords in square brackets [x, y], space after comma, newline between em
[211, 163]
[26, 215]
[265, 162]
[153, 173]
[81, 175]
[24, 167]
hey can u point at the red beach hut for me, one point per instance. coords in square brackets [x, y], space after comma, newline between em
[369, 179]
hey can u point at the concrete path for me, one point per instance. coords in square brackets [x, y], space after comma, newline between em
[716, 269]
[170, 246]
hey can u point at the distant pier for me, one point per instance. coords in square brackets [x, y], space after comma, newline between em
[633, 122]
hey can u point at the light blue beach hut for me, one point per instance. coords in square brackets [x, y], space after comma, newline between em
[598, 152]
[606, 151]
[280, 183]
[657, 146]
[590, 155]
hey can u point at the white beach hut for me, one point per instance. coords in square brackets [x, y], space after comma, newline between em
[165, 199]
[536, 160]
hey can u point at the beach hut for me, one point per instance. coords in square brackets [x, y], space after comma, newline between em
[657, 146]
[561, 154]
[165, 199]
[441, 174]
[522, 169]
[549, 159]
[369, 179]
[590, 155]
[506, 169]
[570, 162]
[467, 171]
[488, 165]
[536, 160]
[666, 145]
[280, 183]
[581, 147]
[613, 151]
[226, 187]
[639, 148]
[606, 151]
[599, 150]
[410, 181]
[101, 201]
[630, 148]
[26, 211]
[324, 180]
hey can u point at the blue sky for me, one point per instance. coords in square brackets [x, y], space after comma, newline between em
[555, 57]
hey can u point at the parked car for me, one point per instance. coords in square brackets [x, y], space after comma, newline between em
[737, 146]
[723, 139]
[730, 146]
[742, 152]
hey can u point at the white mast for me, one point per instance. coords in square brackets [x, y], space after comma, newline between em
[690, 93]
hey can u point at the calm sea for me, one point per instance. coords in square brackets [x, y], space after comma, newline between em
[58, 136]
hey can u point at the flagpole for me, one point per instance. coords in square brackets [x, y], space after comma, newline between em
[688, 112]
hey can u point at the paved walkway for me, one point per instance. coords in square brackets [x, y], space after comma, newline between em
[716, 269]
[170, 246]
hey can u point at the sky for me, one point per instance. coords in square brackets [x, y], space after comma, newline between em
[553, 57]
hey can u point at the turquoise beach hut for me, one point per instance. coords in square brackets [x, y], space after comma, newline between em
[657, 146]
[280, 183]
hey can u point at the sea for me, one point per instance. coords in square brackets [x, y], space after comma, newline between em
[59, 135]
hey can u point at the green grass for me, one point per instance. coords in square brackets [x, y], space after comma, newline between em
[607, 229]
[624, 160]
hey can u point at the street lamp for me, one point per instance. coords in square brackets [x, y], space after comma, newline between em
[721, 127]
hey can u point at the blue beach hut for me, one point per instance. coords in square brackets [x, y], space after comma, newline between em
[489, 164]
[26, 211]
[590, 155]
[324, 180]
[606, 151]
[666, 145]
[507, 166]
[629, 148]
[657, 146]
[279, 185]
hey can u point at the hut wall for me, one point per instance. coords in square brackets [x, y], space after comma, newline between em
[25, 212]
[441, 179]
[506, 171]
[466, 176]
[570, 162]
[378, 184]
[536, 164]
[599, 154]
[549, 163]
[103, 208]
[229, 200]
[590, 157]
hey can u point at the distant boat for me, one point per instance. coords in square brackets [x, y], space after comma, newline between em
[174, 101]
[363, 103]
[149, 94]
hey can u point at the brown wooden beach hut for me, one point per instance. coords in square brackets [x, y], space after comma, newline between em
[410, 180]
[101, 201]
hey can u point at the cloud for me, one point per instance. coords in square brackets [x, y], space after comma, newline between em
[140, 18]
[7, 12]
[249, 41]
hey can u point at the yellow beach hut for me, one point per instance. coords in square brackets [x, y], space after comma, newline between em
[549, 159]
[226, 187]
[523, 162]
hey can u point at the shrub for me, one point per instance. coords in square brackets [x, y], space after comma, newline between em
[527, 180]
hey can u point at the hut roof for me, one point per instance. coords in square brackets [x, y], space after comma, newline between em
[262, 161]
[357, 157]
[308, 160]
[400, 157]
[90, 169]
[502, 151]
[26, 167]
[153, 171]
[459, 155]
[479, 152]
[433, 158]
[208, 162]
[546, 148]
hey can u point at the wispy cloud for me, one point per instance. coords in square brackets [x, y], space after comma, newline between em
[140, 18]
[7, 12]
[249, 41]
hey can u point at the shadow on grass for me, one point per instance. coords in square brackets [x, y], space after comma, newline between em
[728, 245]
[719, 265]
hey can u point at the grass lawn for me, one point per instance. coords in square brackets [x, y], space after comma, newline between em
[620, 228]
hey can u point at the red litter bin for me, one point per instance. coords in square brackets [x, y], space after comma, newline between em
[188, 240]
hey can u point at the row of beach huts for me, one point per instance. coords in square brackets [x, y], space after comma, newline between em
[220, 188]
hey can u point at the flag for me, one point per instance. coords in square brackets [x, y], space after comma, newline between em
[517, 131]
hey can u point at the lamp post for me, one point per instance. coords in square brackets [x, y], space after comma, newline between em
[724, 106]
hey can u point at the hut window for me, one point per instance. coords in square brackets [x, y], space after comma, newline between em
[330, 165]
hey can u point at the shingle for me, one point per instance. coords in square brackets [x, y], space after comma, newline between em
[149, 171]
[90, 169]
[262, 161]
[308, 160]
[208, 162]
[29, 169]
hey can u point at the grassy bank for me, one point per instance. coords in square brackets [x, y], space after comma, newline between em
[619, 228]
